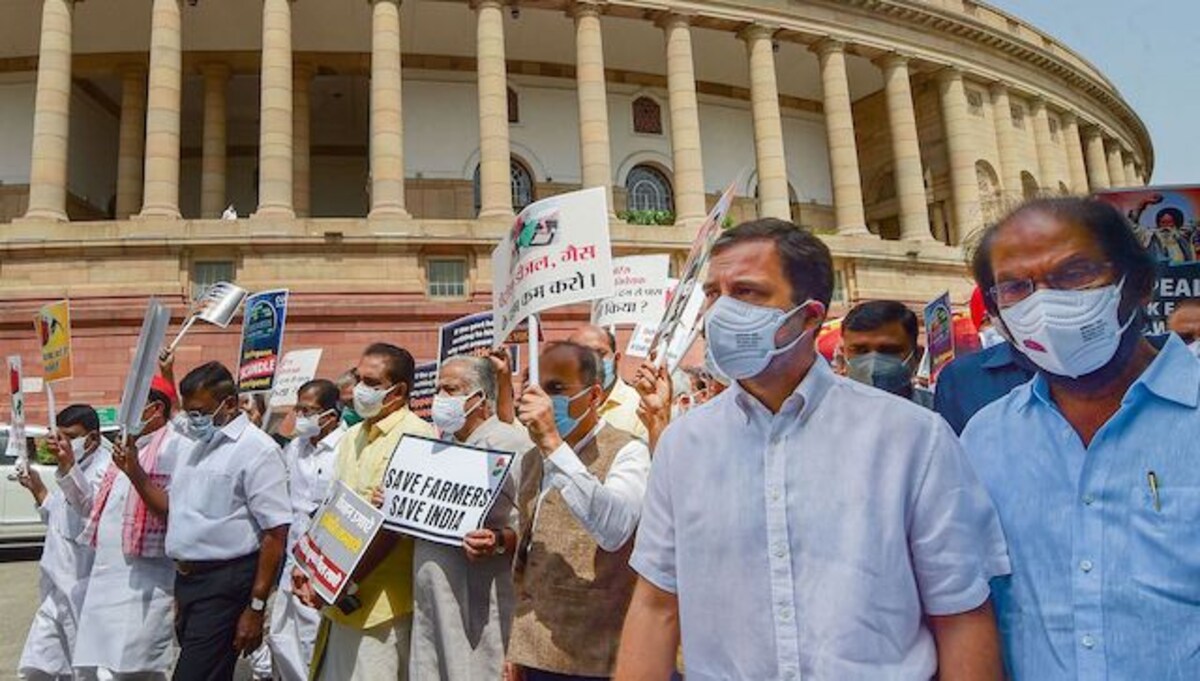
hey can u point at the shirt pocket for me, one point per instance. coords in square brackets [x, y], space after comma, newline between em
[211, 494]
[1163, 537]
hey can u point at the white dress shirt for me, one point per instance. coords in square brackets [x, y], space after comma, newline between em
[65, 561]
[310, 472]
[226, 493]
[608, 510]
[811, 544]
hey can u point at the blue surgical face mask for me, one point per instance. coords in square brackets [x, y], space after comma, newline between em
[563, 421]
[610, 373]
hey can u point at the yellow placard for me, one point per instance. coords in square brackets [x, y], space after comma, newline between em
[53, 326]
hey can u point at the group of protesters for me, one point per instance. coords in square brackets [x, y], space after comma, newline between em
[764, 515]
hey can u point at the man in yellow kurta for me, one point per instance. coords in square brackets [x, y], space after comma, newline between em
[366, 635]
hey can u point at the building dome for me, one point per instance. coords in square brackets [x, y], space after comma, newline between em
[375, 149]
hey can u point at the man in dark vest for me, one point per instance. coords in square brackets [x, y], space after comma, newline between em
[580, 500]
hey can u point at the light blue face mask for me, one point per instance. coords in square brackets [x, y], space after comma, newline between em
[563, 421]
[610, 373]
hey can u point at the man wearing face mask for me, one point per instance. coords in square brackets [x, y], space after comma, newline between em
[226, 529]
[369, 630]
[879, 342]
[66, 560]
[464, 595]
[310, 458]
[849, 521]
[1091, 464]
[132, 579]
[620, 405]
[580, 498]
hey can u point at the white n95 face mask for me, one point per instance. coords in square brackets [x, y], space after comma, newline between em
[741, 336]
[1068, 333]
[368, 401]
[449, 412]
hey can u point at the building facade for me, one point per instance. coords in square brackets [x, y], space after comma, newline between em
[376, 149]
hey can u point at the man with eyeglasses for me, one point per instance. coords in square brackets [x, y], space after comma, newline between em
[309, 458]
[1092, 464]
[580, 500]
[227, 526]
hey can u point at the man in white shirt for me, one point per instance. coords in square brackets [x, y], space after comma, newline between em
[801, 524]
[310, 459]
[580, 498]
[125, 624]
[227, 528]
[65, 561]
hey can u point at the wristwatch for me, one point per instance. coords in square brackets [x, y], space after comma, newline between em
[258, 604]
[499, 548]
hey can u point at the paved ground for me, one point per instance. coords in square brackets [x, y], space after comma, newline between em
[18, 602]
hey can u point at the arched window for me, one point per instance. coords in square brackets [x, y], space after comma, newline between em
[522, 185]
[647, 116]
[514, 107]
[1029, 185]
[991, 200]
[649, 189]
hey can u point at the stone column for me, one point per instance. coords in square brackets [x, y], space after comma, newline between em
[1130, 170]
[213, 173]
[688, 168]
[1097, 164]
[387, 117]
[839, 131]
[1075, 163]
[594, 152]
[161, 197]
[1046, 149]
[963, 181]
[1006, 139]
[495, 179]
[51, 115]
[275, 160]
[773, 200]
[906, 149]
[1116, 167]
[302, 75]
[131, 147]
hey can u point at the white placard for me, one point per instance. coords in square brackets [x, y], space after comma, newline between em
[639, 342]
[297, 368]
[32, 384]
[439, 491]
[16, 427]
[143, 368]
[556, 253]
[220, 303]
[639, 291]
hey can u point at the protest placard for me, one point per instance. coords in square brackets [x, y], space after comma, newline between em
[440, 491]
[262, 340]
[53, 326]
[143, 367]
[1166, 221]
[939, 334]
[689, 279]
[295, 369]
[16, 423]
[339, 536]
[556, 253]
[217, 306]
[424, 387]
[639, 288]
[640, 340]
[474, 335]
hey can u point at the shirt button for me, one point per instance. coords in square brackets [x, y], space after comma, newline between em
[785, 614]
[1088, 500]
[1085, 565]
[780, 550]
[774, 494]
[790, 675]
[1088, 642]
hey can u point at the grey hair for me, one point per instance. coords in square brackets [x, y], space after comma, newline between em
[348, 377]
[480, 375]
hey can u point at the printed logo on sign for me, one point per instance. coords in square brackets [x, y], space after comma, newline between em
[260, 320]
[533, 229]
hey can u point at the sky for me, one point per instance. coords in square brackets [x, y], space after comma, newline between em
[1149, 49]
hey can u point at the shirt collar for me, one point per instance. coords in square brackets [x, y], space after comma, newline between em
[802, 401]
[619, 395]
[388, 423]
[234, 429]
[1174, 375]
[999, 356]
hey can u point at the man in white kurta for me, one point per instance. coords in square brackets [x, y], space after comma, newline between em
[464, 594]
[65, 563]
[125, 626]
[310, 459]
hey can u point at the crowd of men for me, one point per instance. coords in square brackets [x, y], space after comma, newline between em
[763, 516]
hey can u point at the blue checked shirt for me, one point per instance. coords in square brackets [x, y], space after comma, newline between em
[1106, 580]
